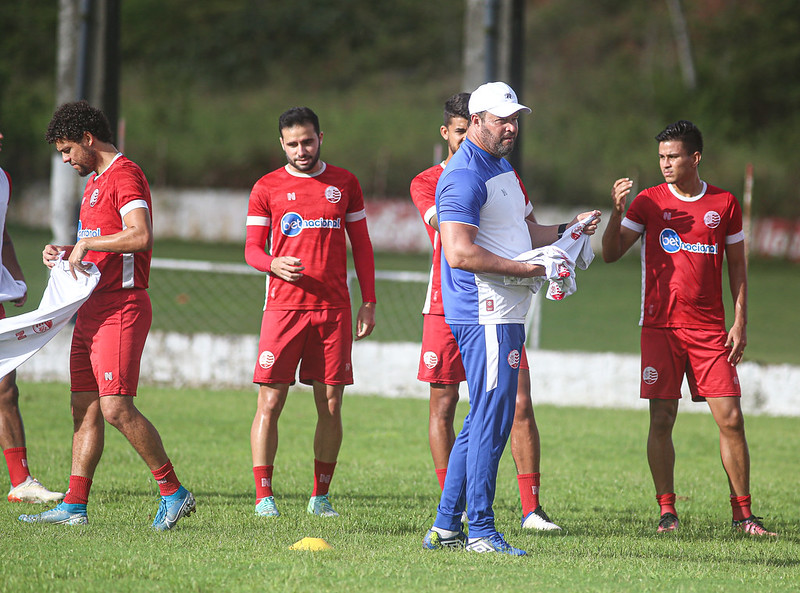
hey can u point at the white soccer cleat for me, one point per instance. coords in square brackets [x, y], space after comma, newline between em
[31, 490]
[538, 519]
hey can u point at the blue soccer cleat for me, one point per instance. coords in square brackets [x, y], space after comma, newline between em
[63, 514]
[321, 506]
[266, 507]
[434, 540]
[494, 543]
[173, 507]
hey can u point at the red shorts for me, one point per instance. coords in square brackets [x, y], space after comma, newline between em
[700, 354]
[440, 361]
[321, 339]
[108, 342]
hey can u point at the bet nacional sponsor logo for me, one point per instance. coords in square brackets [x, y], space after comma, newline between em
[292, 224]
[672, 243]
[650, 375]
[266, 359]
[430, 359]
[513, 359]
[84, 233]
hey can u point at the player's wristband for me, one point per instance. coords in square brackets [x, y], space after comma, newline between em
[561, 228]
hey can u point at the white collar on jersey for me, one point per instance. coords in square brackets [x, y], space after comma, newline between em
[688, 198]
[294, 173]
[114, 160]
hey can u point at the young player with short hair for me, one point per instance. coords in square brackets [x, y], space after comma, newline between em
[298, 219]
[115, 232]
[687, 228]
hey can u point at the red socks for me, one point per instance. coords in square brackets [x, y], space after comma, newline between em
[323, 473]
[166, 479]
[263, 478]
[441, 474]
[528, 492]
[17, 462]
[78, 492]
[667, 503]
[740, 505]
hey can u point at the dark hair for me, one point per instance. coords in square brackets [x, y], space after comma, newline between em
[686, 132]
[298, 116]
[72, 120]
[456, 106]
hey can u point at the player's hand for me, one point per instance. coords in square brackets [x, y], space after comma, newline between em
[619, 193]
[591, 228]
[287, 267]
[737, 340]
[50, 253]
[365, 321]
[21, 300]
[76, 263]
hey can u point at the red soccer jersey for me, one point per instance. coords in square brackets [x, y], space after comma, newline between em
[306, 215]
[107, 198]
[423, 193]
[682, 253]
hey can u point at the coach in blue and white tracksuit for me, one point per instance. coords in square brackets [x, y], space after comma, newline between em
[485, 221]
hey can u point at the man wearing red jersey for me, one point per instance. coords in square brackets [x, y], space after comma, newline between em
[687, 226]
[24, 487]
[440, 362]
[297, 219]
[115, 232]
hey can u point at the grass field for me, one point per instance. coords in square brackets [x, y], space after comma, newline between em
[595, 483]
[601, 317]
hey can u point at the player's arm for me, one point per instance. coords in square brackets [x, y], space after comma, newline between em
[137, 236]
[364, 262]
[461, 252]
[286, 267]
[11, 263]
[616, 238]
[737, 274]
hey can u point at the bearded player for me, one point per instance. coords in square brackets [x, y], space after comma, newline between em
[115, 232]
[297, 219]
[440, 362]
[687, 227]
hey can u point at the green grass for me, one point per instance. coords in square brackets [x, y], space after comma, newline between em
[601, 317]
[595, 483]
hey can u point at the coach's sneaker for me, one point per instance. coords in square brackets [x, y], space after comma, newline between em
[31, 490]
[173, 507]
[668, 522]
[266, 507]
[538, 519]
[434, 540]
[494, 543]
[752, 526]
[63, 514]
[321, 506]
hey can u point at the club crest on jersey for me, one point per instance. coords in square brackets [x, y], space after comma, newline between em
[430, 359]
[292, 224]
[513, 359]
[333, 194]
[43, 327]
[94, 198]
[649, 375]
[671, 242]
[712, 219]
[266, 359]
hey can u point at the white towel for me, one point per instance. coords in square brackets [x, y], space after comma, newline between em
[23, 335]
[559, 260]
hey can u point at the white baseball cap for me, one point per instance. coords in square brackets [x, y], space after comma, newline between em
[497, 98]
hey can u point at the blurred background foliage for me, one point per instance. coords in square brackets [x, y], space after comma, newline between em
[204, 82]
